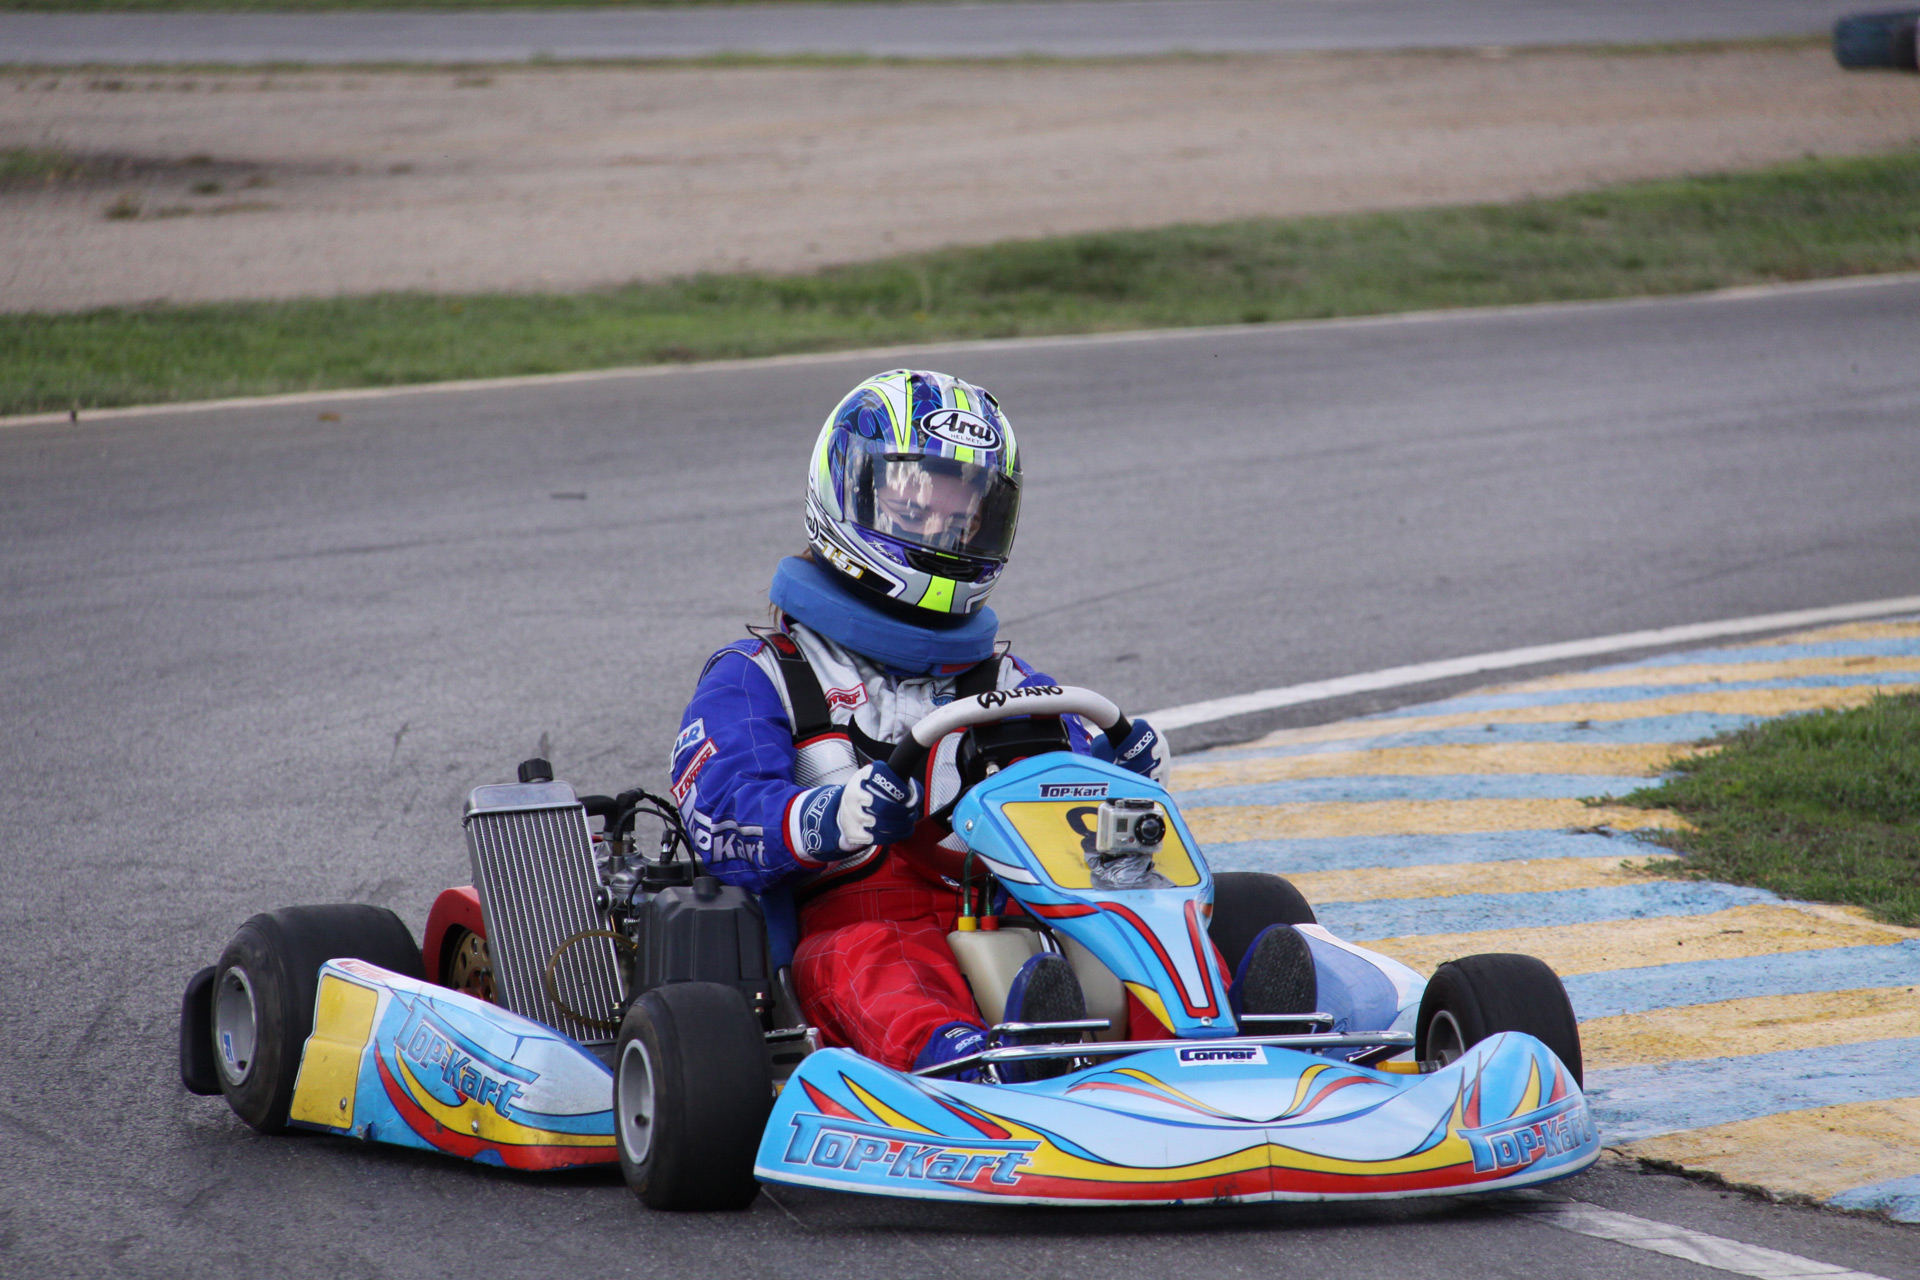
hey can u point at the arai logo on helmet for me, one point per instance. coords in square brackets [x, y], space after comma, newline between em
[957, 426]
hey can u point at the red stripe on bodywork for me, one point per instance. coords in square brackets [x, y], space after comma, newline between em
[453, 1142]
[1207, 1010]
[984, 1125]
[1064, 911]
[826, 1105]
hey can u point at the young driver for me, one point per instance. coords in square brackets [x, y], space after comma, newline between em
[780, 768]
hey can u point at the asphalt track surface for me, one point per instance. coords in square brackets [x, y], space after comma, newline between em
[253, 657]
[1095, 28]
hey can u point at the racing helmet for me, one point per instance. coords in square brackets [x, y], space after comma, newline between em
[915, 491]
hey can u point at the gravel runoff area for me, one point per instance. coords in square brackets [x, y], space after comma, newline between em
[210, 186]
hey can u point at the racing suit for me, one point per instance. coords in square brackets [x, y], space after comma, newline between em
[872, 968]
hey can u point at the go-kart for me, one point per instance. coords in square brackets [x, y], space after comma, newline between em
[588, 1000]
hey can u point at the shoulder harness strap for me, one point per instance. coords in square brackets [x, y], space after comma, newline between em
[809, 702]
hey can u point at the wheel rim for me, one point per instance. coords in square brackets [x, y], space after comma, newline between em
[235, 1026]
[633, 1098]
[1445, 1042]
[471, 969]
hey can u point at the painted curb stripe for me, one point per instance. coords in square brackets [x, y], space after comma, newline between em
[1443, 880]
[1756, 1024]
[1378, 787]
[1720, 672]
[1369, 735]
[1792, 648]
[1757, 702]
[1478, 912]
[1698, 1247]
[1620, 991]
[1413, 817]
[1839, 1152]
[1660, 940]
[1355, 853]
[1906, 675]
[1898, 1198]
[1645, 1102]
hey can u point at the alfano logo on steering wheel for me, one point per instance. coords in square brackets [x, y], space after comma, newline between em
[1001, 697]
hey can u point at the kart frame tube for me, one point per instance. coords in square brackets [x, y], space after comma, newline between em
[1120, 1048]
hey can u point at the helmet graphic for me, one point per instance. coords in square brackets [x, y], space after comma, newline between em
[915, 490]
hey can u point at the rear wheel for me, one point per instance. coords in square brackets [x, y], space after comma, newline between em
[692, 1087]
[1476, 997]
[263, 995]
[468, 964]
[1245, 905]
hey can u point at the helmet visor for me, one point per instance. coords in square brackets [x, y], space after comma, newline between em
[942, 504]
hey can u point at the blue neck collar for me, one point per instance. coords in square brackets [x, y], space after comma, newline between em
[816, 598]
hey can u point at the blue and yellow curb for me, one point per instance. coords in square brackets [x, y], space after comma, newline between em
[1726, 1030]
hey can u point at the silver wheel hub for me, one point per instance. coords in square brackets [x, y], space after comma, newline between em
[1445, 1041]
[235, 1026]
[633, 1101]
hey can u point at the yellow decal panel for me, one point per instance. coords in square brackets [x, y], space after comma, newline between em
[1060, 833]
[323, 1093]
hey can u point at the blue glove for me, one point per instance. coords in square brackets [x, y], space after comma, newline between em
[1143, 751]
[875, 806]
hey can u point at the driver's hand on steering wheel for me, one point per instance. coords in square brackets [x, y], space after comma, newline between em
[874, 806]
[1143, 751]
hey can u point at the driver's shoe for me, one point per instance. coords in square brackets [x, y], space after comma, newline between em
[1277, 976]
[1045, 990]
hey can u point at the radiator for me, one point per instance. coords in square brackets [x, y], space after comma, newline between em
[533, 865]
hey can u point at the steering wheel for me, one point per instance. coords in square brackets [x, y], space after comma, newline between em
[1005, 704]
[910, 757]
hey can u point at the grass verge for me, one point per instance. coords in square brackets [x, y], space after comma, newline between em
[1823, 806]
[1796, 221]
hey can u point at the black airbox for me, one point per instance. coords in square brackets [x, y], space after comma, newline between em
[703, 932]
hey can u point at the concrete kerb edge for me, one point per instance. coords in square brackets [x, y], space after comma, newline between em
[348, 395]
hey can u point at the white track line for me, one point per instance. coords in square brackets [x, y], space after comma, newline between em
[899, 353]
[1420, 673]
[1713, 1251]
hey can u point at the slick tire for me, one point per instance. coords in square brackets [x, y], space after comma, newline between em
[1479, 996]
[1245, 903]
[692, 1086]
[261, 1005]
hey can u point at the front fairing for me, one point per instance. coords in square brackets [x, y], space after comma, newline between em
[1029, 825]
[394, 1059]
[1182, 1125]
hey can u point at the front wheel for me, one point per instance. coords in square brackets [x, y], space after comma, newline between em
[1475, 997]
[1245, 904]
[692, 1087]
[260, 1008]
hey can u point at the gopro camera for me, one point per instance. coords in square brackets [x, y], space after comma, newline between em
[1129, 826]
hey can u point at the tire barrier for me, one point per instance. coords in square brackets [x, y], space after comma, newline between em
[1869, 41]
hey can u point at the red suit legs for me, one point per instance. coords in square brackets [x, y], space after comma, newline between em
[880, 987]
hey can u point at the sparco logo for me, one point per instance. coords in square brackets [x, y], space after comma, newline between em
[814, 817]
[1233, 1056]
[1073, 790]
[886, 786]
[957, 426]
[1004, 696]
